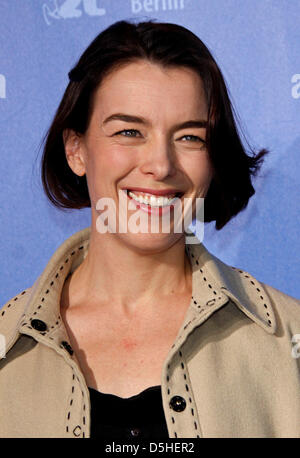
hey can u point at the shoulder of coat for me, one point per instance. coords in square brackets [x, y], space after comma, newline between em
[12, 312]
[285, 308]
[284, 303]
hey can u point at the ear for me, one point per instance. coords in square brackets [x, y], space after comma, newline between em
[74, 151]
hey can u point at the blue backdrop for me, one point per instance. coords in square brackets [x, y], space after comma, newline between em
[257, 45]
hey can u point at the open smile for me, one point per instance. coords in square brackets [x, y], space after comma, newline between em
[157, 204]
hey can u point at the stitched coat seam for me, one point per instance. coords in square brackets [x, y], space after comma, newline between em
[188, 387]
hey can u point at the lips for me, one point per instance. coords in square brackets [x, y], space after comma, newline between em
[170, 192]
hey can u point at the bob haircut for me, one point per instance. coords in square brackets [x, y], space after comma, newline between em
[169, 45]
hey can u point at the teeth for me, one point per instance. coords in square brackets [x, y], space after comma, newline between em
[152, 200]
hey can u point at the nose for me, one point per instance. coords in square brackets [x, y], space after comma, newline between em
[158, 159]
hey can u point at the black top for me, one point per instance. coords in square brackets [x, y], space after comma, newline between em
[140, 416]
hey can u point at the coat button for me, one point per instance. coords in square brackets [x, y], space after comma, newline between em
[135, 432]
[177, 403]
[77, 431]
[67, 346]
[39, 325]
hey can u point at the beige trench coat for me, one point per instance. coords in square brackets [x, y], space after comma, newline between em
[233, 365]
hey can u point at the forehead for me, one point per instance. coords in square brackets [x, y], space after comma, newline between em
[147, 87]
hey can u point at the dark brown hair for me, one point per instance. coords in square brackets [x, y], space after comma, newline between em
[169, 45]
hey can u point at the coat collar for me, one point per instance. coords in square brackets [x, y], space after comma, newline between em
[214, 283]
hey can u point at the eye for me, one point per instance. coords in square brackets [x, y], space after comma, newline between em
[192, 138]
[131, 131]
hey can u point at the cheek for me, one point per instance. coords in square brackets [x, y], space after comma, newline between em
[207, 173]
[107, 165]
[118, 158]
[110, 161]
[201, 171]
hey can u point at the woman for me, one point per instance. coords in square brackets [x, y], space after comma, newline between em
[144, 334]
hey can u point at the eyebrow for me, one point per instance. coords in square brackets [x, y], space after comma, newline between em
[140, 120]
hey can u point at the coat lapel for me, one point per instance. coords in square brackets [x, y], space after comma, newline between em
[214, 284]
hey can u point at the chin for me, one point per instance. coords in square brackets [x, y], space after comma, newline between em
[151, 242]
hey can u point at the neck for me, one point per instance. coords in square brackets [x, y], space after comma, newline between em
[123, 277]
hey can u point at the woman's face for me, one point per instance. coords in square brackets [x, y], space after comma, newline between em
[154, 152]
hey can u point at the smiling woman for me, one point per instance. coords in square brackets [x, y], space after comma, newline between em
[143, 333]
[155, 152]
